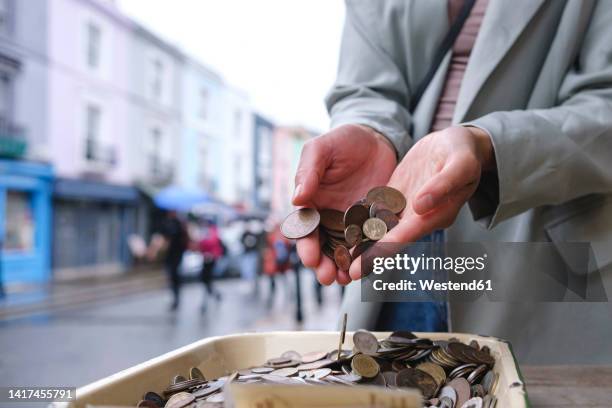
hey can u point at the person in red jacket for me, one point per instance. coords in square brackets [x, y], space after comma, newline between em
[212, 249]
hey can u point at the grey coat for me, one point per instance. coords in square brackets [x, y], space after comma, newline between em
[539, 81]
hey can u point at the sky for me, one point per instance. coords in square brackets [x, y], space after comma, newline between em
[283, 53]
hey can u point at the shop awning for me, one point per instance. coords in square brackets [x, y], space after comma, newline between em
[93, 190]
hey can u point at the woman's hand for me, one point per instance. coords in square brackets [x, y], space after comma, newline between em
[335, 170]
[437, 176]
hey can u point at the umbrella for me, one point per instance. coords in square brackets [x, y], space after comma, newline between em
[180, 199]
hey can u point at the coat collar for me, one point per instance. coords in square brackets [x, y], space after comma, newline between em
[503, 22]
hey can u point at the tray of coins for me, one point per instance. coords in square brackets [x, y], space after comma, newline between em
[450, 370]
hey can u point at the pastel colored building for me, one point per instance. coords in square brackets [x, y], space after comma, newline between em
[263, 131]
[202, 120]
[25, 180]
[288, 142]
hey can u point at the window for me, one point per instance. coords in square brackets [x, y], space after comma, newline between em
[92, 131]
[5, 17]
[5, 96]
[93, 45]
[19, 221]
[158, 79]
[237, 124]
[156, 142]
[204, 96]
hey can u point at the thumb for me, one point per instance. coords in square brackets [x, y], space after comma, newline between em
[313, 162]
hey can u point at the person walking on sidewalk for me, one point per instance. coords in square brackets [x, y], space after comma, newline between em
[212, 249]
[175, 234]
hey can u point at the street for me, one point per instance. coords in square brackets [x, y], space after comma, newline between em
[76, 347]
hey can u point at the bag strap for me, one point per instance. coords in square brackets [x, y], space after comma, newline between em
[449, 41]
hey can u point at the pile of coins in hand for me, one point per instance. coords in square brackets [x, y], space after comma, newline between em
[449, 374]
[363, 223]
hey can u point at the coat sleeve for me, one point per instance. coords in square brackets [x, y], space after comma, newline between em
[371, 88]
[551, 156]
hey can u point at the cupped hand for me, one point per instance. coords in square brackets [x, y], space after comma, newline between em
[437, 176]
[335, 170]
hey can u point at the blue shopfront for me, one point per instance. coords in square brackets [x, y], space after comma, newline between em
[25, 221]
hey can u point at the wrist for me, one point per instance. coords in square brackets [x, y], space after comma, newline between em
[381, 139]
[484, 147]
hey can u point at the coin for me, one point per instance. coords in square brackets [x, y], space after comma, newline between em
[475, 402]
[390, 197]
[292, 355]
[388, 217]
[342, 257]
[196, 373]
[332, 219]
[154, 397]
[365, 366]
[262, 370]
[374, 228]
[356, 214]
[365, 342]
[147, 404]
[313, 356]
[450, 393]
[390, 378]
[434, 370]
[314, 365]
[178, 379]
[413, 378]
[362, 247]
[300, 223]
[285, 372]
[352, 235]
[180, 400]
[377, 206]
[321, 373]
[462, 388]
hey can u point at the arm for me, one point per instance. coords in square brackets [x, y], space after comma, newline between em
[371, 87]
[551, 156]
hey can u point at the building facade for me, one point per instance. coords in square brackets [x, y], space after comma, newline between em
[88, 109]
[202, 126]
[234, 150]
[288, 142]
[97, 114]
[263, 131]
[25, 182]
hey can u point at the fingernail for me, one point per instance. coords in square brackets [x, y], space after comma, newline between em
[298, 191]
[425, 203]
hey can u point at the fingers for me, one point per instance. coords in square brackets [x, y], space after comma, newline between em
[326, 271]
[343, 278]
[455, 175]
[313, 162]
[355, 269]
[309, 250]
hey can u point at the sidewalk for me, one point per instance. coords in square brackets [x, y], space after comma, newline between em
[75, 346]
[26, 300]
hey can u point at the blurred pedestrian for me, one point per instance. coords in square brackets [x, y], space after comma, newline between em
[212, 249]
[175, 234]
[276, 259]
[253, 242]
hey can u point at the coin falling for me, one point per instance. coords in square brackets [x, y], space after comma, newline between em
[449, 373]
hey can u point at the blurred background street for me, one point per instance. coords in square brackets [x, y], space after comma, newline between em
[147, 154]
[75, 345]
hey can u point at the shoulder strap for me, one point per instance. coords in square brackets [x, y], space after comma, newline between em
[446, 45]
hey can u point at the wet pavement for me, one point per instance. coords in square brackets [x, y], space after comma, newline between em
[75, 347]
